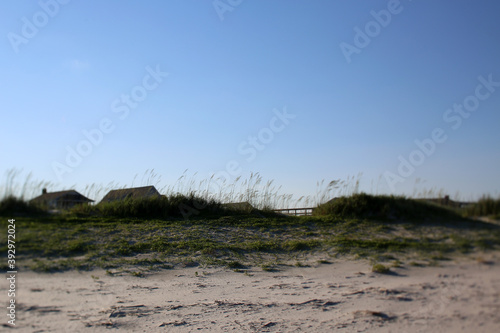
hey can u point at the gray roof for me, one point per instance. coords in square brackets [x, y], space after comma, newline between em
[131, 193]
[70, 196]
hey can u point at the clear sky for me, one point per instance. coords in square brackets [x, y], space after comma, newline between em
[299, 91]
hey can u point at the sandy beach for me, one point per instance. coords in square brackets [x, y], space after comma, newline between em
[250, 166]
[461, 295]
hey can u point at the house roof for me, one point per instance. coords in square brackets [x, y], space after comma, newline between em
[131, 193]
[69, 195]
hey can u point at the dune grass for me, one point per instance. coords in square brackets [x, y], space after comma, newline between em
[196, 228]
[385, 208]
[486, 206]
[261, 194]
[11, 206]
[62, 242]
[164, 207]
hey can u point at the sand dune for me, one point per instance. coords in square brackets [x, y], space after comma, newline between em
[458, 296]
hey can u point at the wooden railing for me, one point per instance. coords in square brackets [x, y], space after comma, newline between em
[295, 211]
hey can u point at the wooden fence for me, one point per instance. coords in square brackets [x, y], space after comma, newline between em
[295, 211]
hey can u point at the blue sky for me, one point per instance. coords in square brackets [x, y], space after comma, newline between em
[233, 67]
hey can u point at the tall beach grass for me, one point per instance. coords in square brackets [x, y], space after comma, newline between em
[486, 206]
[261, 194]
[189, 195]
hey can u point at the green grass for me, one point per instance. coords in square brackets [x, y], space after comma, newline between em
[173, 206]
[379, 268]
[486, 206]
[14, 206]
[366, 227]
[397, 263]
[384, 208]
[416, 264]
[235, 265]
[53, 243]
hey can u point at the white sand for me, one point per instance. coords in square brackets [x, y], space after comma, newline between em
[458, 296]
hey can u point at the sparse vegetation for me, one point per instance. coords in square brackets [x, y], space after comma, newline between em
[268, 267]
[153, 233]
[54, 243]
[324, 262]
[379, 268]
[396, 263]
[416, 264]
[235, 265]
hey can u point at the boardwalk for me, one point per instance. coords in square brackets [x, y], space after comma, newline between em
[295, 211]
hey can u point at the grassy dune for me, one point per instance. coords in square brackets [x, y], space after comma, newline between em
[122, 238]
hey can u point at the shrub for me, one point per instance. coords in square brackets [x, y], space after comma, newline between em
[381, 207]
[15, 206]
[379, 268]
[174, 206]
[235, 264]
[486, 206]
